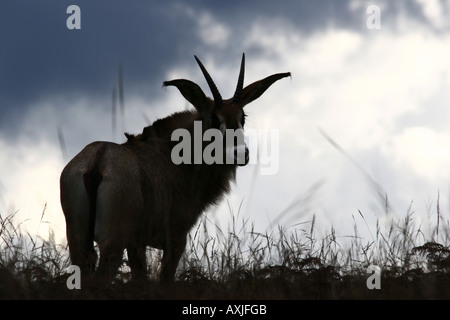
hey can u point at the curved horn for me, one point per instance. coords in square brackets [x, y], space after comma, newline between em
[240, 84]
[217, 97]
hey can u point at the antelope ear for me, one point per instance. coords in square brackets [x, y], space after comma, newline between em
[256, 89]
[192, 93]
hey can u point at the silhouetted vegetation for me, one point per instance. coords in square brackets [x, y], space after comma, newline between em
[242, 263]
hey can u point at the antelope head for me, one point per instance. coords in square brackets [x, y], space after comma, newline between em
[221, 114]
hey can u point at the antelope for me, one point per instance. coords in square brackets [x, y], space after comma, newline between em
[132, 195]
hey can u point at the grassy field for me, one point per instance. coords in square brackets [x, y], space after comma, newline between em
[241, 263]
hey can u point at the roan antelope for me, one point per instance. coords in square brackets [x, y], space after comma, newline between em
[133, 195]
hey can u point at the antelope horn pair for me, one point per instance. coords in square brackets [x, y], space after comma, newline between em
[218, 101]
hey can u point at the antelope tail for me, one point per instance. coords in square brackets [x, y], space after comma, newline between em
[92, 179]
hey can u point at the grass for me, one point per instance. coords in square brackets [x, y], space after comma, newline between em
[242, 263]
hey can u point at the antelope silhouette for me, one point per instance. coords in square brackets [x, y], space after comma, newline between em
[133, 195]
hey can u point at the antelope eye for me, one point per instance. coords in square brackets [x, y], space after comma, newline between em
[215, 122]
[218, 123]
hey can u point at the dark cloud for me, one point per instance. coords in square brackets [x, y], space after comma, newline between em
[40, 58]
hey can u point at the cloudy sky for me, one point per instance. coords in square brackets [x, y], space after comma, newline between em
[365, 115]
